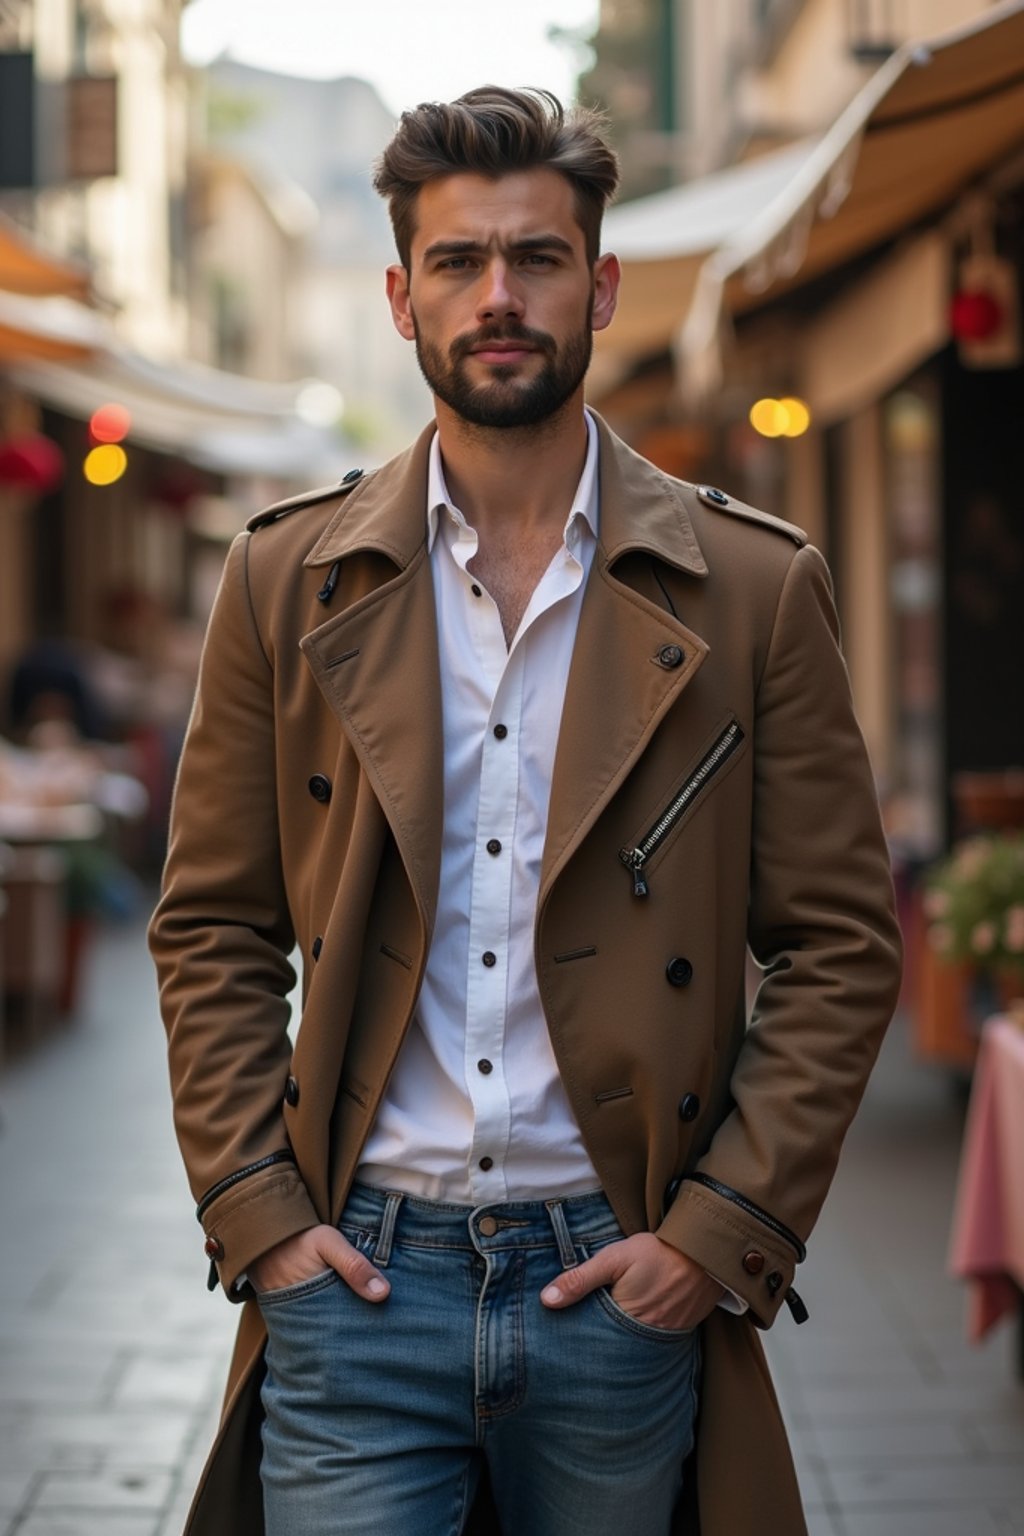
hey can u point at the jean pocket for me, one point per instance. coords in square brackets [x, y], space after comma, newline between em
[300, 1290]
[634, 1325]
[625, 1320]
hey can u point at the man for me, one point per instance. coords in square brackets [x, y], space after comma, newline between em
[521, 743]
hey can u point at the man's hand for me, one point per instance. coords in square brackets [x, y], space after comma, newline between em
[309, 1253]
[649, 1279]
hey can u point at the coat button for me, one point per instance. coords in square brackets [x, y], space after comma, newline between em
[773, 1282]
[669, 656]
[213, 1248]
[320, 788]
[672, 1189]
[291, 1092]
[679, 971]
[753, 1262]
[317, 946]
[689, 1107]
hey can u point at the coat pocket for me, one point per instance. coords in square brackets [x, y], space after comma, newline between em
[725, 745]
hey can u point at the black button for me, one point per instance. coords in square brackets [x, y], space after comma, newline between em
[484, 1066]
[501, 731]
[493, 846]
[669, 656]
[213, 1248]
[486, 1163]
[320, 788]
[773, 1282]
[689, 1107]
[671, 1190]
[489, 958]
[679, 971]
[318, 945]
[291, 1092]
[353, 474]
[476, 590]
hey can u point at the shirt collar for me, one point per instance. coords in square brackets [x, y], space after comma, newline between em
[585, 501]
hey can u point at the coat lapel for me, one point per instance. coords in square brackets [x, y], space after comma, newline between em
[619, 684]
[376, 662]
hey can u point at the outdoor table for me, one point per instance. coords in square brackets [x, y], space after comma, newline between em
[987, 1244]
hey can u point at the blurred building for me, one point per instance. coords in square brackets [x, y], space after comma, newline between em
[109, 214]
[313, 142]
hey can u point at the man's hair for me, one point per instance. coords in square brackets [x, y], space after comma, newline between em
[493, 131]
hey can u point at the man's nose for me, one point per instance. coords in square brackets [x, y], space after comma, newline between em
[500, 293]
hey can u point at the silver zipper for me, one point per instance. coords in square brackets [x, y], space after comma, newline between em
[635, 858]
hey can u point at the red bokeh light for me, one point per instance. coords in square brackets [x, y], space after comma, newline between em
[110, 424]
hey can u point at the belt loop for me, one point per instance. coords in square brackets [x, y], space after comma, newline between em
[566, 1251]
[387, 1228]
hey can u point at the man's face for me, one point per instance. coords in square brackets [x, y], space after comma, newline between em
[499, 296]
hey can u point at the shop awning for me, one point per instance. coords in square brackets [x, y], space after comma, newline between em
[935, 120]
[664, 240]
[216, 420]
[48, 329]
[28, 269]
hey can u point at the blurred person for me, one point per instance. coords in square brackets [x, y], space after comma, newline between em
[521, 742]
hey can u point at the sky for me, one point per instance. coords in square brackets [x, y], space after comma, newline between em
[412, 50]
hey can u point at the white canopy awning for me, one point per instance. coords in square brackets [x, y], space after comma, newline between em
[932, 122]
[216, 420]
[664, 240]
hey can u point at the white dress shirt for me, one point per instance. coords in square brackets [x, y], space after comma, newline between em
[475, 1110]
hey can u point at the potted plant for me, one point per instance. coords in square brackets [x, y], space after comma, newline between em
[974, 906]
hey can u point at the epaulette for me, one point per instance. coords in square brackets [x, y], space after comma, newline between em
[303, 499]
[712, 497]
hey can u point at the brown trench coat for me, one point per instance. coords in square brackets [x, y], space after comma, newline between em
[308, 812]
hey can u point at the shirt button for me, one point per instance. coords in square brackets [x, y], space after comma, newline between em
[487, 1163]
[494, 846]
[501, 731]
[489, 958]
[484, 1066]
[476, 590]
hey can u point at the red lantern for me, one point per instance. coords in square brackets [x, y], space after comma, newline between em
[975, 315]
[31, 463]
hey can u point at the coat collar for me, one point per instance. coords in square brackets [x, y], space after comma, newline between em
[386, 512]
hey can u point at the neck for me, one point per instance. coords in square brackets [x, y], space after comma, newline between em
[514, 476]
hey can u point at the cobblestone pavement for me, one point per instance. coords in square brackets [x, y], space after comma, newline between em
[113, 1353]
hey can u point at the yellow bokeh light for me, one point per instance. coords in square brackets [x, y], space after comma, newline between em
[788, 417]
[768, 417]
[798, 416]
[105, 464]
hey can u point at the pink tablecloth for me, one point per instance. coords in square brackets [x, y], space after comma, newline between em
[987, 1246]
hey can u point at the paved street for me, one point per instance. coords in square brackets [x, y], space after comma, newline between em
[112, 1352]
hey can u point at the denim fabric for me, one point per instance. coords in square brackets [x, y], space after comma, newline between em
[379, 1417]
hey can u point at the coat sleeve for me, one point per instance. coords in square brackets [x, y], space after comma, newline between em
[822, 927]
[221, 936]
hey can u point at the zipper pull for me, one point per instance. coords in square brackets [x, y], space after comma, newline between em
[634, 861]
[796, 1306]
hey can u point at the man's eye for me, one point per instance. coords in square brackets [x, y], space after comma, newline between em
[454, 264]
[538, 259]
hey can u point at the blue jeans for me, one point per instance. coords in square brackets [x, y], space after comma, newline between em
[379, 1417]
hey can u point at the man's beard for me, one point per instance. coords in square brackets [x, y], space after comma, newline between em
[504, 401]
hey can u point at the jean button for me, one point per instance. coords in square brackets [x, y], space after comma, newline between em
[487, 1226]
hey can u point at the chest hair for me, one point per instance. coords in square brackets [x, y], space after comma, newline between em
[510, 569]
